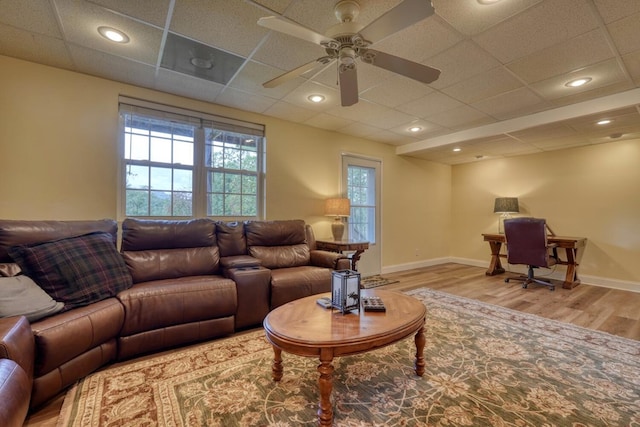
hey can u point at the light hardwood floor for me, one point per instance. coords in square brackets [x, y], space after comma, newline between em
[609, 310]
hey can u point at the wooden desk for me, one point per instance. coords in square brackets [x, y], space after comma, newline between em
[573, 247]
[344, 246]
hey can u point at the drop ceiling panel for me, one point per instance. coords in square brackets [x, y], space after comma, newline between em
[34, 47]
[460, 117]
[471, 17]
[395, 91]
[246, 101]
[484, 85]
[22, 14]
[602, 74]
[462, 61]
[624, 33]
[190, 87]
[284, 110]
[151, 11]
[82, 19]
[541, 26]
[228, 25]
[613, 10]
[518, 102]
[429, 105]
[585, 49]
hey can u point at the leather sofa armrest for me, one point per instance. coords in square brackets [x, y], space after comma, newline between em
[17, 342]
[325, 259]
[239, 261]
[15, 393]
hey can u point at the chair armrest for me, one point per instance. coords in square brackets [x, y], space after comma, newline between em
[327, 259]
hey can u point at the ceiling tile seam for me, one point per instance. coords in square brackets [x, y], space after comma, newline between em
[56, 13]
[165, 34]
[610, 42]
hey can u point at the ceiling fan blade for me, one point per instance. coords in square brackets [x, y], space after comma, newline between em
[277, 23]
[400, 17]
[348, 86]
[413, 70]
[292, 74]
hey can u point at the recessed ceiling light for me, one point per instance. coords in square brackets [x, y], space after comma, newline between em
[578, 82]
[415, 129]
[457, 149]
[113, 34]
[604, 122]
[315, 98]
[488, 1]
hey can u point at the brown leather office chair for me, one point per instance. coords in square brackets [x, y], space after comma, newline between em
[527, 244]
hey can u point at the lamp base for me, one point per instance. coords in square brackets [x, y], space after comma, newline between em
[337, 229]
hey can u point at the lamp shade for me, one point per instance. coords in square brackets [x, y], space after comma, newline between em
[506, 205]
[337, 207]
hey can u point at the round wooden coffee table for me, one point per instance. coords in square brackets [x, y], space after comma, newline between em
[304, 328]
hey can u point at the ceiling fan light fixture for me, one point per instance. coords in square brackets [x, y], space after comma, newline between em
[113, 35]
[578, 82]
[316, 98]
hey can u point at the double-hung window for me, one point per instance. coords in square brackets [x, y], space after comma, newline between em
[180, 163]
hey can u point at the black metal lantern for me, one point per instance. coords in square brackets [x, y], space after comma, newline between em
[345, 290]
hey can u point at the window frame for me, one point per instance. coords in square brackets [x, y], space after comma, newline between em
[199, 189]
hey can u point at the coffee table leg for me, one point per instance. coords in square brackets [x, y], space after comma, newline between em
[420, 342]
[276, 368]
[325, 411]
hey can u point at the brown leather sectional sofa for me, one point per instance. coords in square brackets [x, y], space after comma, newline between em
[193, 280]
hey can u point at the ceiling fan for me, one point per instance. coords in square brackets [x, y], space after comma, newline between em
[348, 41]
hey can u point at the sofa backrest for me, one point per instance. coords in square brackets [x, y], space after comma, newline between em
[168, 249]
[231, 238]
[278, 244]
[24, 232]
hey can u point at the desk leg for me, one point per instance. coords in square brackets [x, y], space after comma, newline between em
[355, 258]
[325, 410]
[571, 279]
[420, 342]
[495, 266]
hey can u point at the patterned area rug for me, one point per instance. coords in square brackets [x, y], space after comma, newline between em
[375, 281]
[486, 366]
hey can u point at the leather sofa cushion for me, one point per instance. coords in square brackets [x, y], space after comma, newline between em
[162, 303]
[231, 240]
[281, 256]
[61, 338]
[288, 284]
[275, 233]
[161, 264]
[144, 234]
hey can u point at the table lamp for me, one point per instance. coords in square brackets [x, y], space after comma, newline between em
[505, 206]
[337, 208]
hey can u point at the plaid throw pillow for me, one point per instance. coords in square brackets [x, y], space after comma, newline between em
[76, 271]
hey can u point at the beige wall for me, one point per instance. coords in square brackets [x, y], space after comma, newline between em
[591, 192]
[58, 145]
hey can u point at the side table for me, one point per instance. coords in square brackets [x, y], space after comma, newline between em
[344, 246]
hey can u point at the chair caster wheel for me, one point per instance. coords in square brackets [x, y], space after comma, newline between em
[506, 280]
[552, 288]
[524, 286]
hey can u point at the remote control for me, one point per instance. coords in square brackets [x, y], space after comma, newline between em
[324, 302]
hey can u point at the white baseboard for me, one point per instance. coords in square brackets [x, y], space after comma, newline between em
[558, 273]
